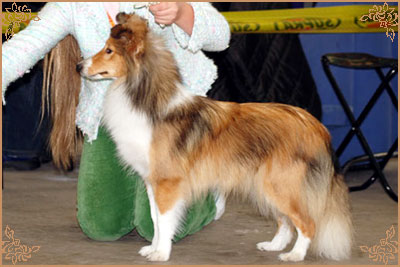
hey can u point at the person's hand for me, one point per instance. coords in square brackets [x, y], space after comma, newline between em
[180, 13]
[166, 12]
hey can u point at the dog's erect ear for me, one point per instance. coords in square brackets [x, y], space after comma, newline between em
[131, 31]
[121, 33]
[122, 17]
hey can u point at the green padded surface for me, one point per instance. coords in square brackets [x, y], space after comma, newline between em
[112, 200]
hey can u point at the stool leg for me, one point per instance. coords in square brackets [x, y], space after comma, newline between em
[384, 182]
[372, 179]
[375, 166]
[389, 89]
[355, 124]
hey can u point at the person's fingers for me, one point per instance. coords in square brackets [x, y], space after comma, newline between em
[168, 15]
[164, 21]
[166, 12]
[158, 7]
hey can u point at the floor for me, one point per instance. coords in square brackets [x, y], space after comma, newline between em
[39, 206]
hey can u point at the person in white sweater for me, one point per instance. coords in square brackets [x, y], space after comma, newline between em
[111, 200]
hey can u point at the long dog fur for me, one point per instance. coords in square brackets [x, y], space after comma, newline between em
[277, 156]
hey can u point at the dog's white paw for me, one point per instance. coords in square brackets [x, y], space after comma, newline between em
[220, 206]
[146, 250]
[218, 214]
[158, 256]
[270, 246]
[291, 256]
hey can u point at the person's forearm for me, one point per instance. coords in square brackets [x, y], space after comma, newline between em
[185, 19]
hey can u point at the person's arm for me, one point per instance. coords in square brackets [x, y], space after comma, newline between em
[26, 48]
[180, 13]
[196, 25]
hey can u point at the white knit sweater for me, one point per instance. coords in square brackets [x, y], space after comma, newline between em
[89, 24]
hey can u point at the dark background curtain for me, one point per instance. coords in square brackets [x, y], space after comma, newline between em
[264, 67]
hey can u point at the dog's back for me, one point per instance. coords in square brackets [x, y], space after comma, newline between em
[222, 139]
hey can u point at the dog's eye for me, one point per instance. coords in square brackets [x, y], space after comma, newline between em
[108, 51]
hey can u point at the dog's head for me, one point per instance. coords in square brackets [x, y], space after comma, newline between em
[126, 45]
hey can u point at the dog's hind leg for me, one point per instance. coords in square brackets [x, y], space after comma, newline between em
[281, 239]
[283, 187]
[169, 208]
[305, 227]
[299, 250]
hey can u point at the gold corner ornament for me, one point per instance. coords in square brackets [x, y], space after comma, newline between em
[386, 249]
[386, 16]
[16, 18]
[13, 250]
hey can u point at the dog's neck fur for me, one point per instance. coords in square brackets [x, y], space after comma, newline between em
[153, 79]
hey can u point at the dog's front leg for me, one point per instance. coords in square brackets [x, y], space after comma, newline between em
[220, 202]
[147, 250]
[169, 207]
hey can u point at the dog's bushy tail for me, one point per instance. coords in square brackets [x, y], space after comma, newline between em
[334, 228]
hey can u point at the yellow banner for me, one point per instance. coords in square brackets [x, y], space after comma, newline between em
[339, 19]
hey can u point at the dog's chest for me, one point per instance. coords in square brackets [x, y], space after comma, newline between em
[131, 131]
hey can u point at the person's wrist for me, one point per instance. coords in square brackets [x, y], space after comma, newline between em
[183, 9]
[185, 17]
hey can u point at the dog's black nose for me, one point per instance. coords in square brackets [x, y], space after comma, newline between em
[79, 67]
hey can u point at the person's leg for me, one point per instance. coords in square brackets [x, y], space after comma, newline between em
[106, 191]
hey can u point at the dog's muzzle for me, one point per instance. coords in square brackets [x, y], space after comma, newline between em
[82, 67]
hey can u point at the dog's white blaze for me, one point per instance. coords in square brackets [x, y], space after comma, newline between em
[299, 250]
[131, 130]
[85, 66]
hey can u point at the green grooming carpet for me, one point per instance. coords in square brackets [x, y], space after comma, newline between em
[112, 200]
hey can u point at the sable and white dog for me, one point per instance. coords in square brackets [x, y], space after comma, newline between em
[276, 155]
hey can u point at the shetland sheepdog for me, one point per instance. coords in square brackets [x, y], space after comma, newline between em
[277, 156]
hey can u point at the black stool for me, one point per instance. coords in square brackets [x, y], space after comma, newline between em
[364, 61]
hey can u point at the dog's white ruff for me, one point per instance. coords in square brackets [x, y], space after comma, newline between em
[130, 129]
